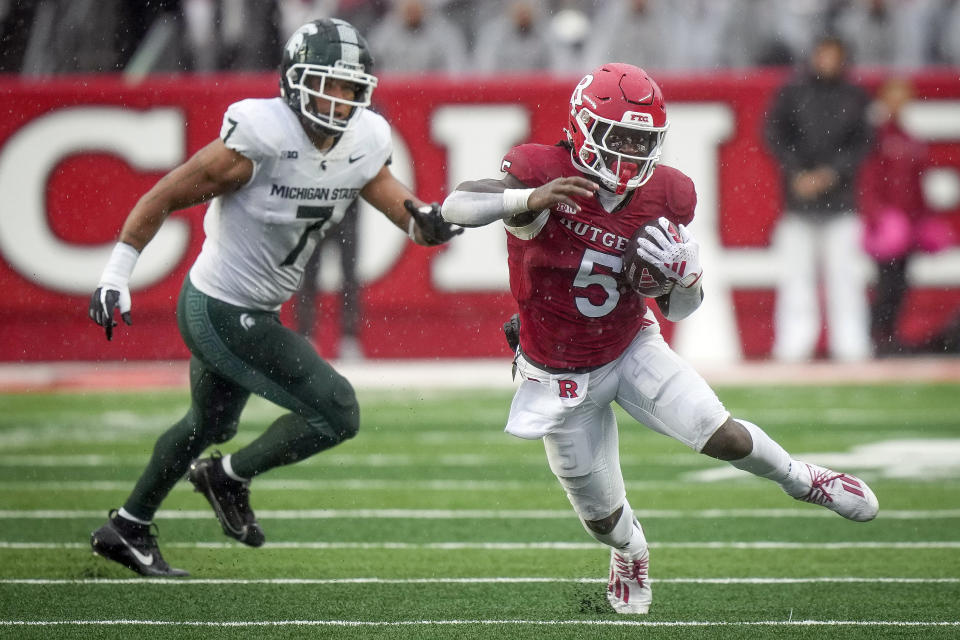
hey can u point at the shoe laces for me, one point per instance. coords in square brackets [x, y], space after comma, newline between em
[820, 482]
[631, 569]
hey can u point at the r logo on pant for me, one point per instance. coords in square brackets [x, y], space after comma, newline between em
[568, 388]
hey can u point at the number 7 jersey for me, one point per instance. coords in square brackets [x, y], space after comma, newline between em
[259, 238]
[576, 311]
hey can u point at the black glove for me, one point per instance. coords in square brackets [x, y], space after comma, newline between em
[511, 331]
[433, 228]
[102, 306]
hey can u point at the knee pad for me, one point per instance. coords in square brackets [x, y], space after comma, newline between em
[215, 424]
[347, 409]
[594, 496]
[339, 418]
[621, 533]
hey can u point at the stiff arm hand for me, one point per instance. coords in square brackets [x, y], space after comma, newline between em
[560, 190]
[480, 202]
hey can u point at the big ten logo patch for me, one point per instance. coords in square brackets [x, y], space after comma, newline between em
[568, 389]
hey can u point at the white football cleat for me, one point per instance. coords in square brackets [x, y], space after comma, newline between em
[845, 494]
[628, 590]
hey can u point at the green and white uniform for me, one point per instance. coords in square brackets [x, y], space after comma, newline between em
[258, 240]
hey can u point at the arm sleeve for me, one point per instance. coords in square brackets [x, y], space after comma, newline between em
[681, 302]
[473, 209]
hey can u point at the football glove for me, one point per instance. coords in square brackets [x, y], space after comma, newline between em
[433, 228]
[113, 291]
[676, 253]
[511, 331]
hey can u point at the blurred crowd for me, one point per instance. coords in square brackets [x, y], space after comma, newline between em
[474, 36]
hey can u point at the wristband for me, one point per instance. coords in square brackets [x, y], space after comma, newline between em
[412, 228]
[122, 261]
[515, 200]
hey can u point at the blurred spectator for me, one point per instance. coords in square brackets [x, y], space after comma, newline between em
[634, 31]
[16, 20]
[798, 24]
[818, 132]
[570, 30]
[363, 14]
[62, 36]
[771, 32]
[518, 40]
[414, 37]
[897, 221]
[886, 32]
[944, 30]
[235, 34]
[102, 35]
[698, 29]
[344, 237]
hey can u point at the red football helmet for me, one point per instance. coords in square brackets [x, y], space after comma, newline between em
[617, 124]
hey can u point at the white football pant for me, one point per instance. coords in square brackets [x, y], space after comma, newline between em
[574, 415]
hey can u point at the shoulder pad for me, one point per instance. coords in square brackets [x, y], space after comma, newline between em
[536, 164]
[679, 193]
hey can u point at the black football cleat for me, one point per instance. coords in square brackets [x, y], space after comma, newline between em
[229, 498]
[132, 545]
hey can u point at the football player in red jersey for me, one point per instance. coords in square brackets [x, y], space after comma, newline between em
[587, 339]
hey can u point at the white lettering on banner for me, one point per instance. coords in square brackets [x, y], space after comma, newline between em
[692, 145]
[936, 120]
[149, 141]
[476, 138]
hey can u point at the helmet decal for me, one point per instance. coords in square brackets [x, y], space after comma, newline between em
[295, 43]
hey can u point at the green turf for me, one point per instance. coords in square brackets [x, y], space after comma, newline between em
[377, 568]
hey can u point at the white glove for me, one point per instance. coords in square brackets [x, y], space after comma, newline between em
[677, 255]
[113, 291]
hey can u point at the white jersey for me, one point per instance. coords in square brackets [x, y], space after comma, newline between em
[259, 238]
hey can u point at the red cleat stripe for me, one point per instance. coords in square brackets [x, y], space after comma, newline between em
[853, 490]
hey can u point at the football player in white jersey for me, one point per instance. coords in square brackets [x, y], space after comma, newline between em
[282, 171]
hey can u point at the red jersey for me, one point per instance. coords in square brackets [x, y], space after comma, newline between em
[576, 310]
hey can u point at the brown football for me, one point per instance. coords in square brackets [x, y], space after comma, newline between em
[642, 276]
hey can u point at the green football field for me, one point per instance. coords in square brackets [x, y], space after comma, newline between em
[433, 523]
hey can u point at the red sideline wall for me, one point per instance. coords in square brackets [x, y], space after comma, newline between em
[81, 197]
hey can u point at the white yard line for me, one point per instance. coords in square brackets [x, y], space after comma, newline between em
[168, 582]
[510, 546]
[475, 514]
[460, 623]
[266, 484]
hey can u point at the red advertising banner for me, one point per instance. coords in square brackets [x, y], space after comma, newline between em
[77, 152]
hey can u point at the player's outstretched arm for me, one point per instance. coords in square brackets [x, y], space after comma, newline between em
[420, 220]
[212, 171]
[480, 202]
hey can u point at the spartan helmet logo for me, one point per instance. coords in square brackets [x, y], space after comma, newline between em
[295, 43]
